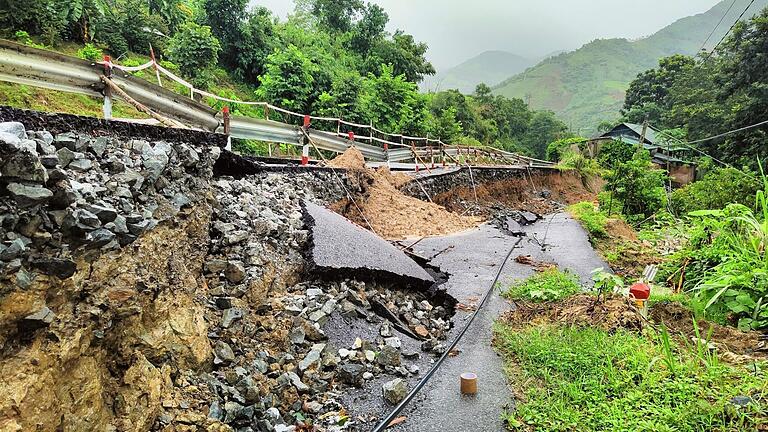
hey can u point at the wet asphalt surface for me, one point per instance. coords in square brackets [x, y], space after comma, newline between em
[473, 259]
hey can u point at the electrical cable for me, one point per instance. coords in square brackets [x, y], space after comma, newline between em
[384, 424]
[718, 25]
[730, 30]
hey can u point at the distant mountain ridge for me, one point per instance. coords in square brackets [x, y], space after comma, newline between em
[588, 85]
[489, 67]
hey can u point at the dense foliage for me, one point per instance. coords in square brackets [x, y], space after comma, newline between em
[330, 58]
[718, 188]
[715, 93]
[637, 186]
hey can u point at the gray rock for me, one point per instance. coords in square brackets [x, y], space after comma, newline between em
[22, 165]
[393, 342]
[394, 391]
[49, 161]
[81, 165]
[42, 318]
[741, 401]
[388, 356]
[297, 335]
[223, 353]
[14, 128]
[104, 213]
[13, 251]
[29, 196]
[230, 316]
[139, 228]
[45, 136]
[215, 412]
[351, 374]
[100, 237]
[223, 303]
[235, 272]
[45, 148]
[312, 357]
[82, 220]
[99, 145]
[59, 267]
[66, 156]
[68, 140]
[296, 381]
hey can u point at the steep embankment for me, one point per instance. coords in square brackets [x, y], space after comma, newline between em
[588, 85]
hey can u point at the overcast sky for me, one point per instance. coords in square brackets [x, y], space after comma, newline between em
[459, 29]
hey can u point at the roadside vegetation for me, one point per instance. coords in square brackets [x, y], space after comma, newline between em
[329, 58]
[581, 363]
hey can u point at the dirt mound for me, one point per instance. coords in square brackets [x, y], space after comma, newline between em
[679, 321]
[389, 212]
[733, 346]
[580, 310]
[617, 228]
[524, 193]
[351, 159]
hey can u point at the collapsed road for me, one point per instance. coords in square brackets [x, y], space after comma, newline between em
[153, 281]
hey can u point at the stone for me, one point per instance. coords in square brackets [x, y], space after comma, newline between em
[49, 162]
[312, 357]
[393, 342]
[367, 376]
[235, 272]
[369, 355]
[14, 128]
[215, 412]
[140, 227]
[100, 237]
[388, 356]
[223, 352]
[385, 330]
[18, 163]
[59, 267]
[42, 318]
[66, 156]
[421, 331]
[394, 391]
[104, 213]
[741, 401]
[296, 381]
[29, 196]
[80, 165]
[344, 353]
[230, 316]
[223, 302]
[67, 139]
[297, 335]
[351, 374]
[99, 145]
[13, 251]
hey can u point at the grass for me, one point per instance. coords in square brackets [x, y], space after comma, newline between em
[549, 285]
[585, 379]
[593, 220]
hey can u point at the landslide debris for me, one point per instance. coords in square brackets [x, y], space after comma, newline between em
[391, 213]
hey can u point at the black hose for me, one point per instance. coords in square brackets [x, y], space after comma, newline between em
[384, 424]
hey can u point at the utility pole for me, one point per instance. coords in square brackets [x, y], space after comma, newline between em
[645, 131]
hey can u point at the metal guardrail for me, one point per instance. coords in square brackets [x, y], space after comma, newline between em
[35, 67]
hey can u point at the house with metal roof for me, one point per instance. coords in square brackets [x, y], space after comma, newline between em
[664, 153]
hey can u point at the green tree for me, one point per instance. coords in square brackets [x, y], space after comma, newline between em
[288, 80]
[542, 130]
[370, 30]
[256, 42]
[195, 50]
[406, 56]
[334, 15]
[389, 101]
[616, 152]
[225, 17]
[638, 186]
[647, 95]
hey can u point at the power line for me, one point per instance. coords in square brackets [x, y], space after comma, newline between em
[730, 30]
[717, 26]
[730, 132]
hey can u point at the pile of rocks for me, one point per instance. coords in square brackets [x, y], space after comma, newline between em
[76, 193]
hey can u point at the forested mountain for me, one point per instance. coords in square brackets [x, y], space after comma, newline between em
[587, 86]
[490, 67]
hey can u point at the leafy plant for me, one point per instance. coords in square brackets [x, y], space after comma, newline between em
[607, 282]
[90, 52]
[550, 285]
[592, 219]
[718, 188]
[638, 186]
[195, 50]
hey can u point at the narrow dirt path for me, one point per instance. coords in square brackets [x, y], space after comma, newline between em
[473, 259]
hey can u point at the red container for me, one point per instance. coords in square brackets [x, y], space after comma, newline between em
[640, 291]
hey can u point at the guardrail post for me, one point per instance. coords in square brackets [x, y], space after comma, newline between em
[305, 148]
[107, 107]
[227, 120]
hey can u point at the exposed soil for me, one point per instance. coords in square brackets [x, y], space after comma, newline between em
[389, 212]
[679, 320]
[627, 255]
[580, 310]
[523, 193]
[732, 345]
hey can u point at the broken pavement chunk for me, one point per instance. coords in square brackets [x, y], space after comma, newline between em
[338, 245]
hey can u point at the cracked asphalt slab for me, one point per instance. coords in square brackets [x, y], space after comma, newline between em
[340, 246]
[472, 259]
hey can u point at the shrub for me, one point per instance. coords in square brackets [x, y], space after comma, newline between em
[593, 220]
[615, 152]
[638, 186]
[90, 52]
[556, 150]
[716, 190]
[195, 50]
[550, 285]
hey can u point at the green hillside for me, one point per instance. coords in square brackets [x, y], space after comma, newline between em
[490, 67]
[587, 86]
